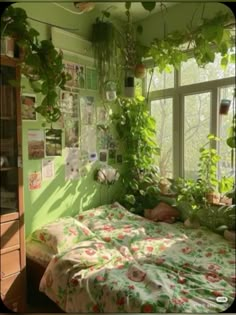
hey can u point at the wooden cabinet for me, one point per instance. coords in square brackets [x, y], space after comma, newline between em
[12, 243]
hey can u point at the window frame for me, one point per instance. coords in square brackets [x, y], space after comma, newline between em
[177, 93]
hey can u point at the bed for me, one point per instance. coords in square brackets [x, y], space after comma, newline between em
[110, 260]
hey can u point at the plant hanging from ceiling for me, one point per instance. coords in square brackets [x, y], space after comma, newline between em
[105, 43]
[41, 62]
[210, 37]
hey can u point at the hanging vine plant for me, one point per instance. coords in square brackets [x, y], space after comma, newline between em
[41, 63]
[136, 131]
[105, 43]
[210, 37]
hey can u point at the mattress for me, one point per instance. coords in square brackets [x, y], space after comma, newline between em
[38, 252]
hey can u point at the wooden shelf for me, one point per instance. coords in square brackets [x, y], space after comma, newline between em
[7, 118]
[10, 168]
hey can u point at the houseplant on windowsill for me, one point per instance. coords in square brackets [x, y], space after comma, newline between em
[207, 170]
[105, 44]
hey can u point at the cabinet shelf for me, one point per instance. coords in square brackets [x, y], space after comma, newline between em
[12, 239]
[5, 169]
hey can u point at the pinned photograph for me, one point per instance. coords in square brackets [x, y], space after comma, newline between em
[36, 144]
[103, 156]
[28, 103]
[53, 142]
[35, 180]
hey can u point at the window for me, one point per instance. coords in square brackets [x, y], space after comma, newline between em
[162, 111]
[191, 73]
[196, 129]
[186, 111]
[159, 80]
[227, 162]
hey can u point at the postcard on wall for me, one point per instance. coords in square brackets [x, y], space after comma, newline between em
[87, 110]
[102, 116]
[53, 142]
[111, 156]
[69, 102]
[79, 76]
[69, 69]
[72, 164]
[91, 79]
[34, 180]
[48, 171]
[36, 144]
[28, 103]
[88, 138]
[103, 156]
[119, 158]
[71, 133]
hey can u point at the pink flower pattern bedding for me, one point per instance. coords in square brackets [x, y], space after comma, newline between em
[135, 265]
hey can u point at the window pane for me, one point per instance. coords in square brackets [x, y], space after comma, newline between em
[196, 129]
[162, 111]
[160, 81]
[226, 166]
[191, 73]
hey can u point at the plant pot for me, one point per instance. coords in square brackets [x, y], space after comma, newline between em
[140, 71]
[213, 198]
[230, 235]
[224, 106]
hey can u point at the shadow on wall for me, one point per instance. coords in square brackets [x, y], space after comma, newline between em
[58, 198]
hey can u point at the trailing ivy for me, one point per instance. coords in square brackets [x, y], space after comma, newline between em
[136, 130]
[41, 63]
[210, 37]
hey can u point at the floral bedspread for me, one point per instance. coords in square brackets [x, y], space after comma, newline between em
[135, 265]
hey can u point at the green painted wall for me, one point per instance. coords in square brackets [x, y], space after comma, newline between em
[58, 197]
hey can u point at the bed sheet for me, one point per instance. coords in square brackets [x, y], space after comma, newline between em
[135, 265]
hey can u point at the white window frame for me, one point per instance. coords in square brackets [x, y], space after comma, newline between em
[177, 93]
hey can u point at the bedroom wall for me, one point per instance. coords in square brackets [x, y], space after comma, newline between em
[59, 197]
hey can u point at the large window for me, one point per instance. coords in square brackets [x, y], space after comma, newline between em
[186, 111]
[162, 111]
[227, 162]
[196, 128]
[191, 73]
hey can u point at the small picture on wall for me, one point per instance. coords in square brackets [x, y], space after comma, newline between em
[28, 103]
[35, 180]
[35, 144]
[53, 142]
[112, 156]
[119, 158]
[79, 76]
[103, 156]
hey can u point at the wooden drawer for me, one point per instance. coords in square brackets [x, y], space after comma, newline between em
[15, 305]
[10, 263]
[9, 234]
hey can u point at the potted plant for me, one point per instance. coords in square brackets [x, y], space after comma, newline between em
[227, 220]
[207, 168]
[191, 197]
[41, 63]
[105, 45]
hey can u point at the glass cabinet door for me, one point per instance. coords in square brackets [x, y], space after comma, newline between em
[8, 141]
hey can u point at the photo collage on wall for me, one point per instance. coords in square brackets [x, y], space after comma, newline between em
[78, 119]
